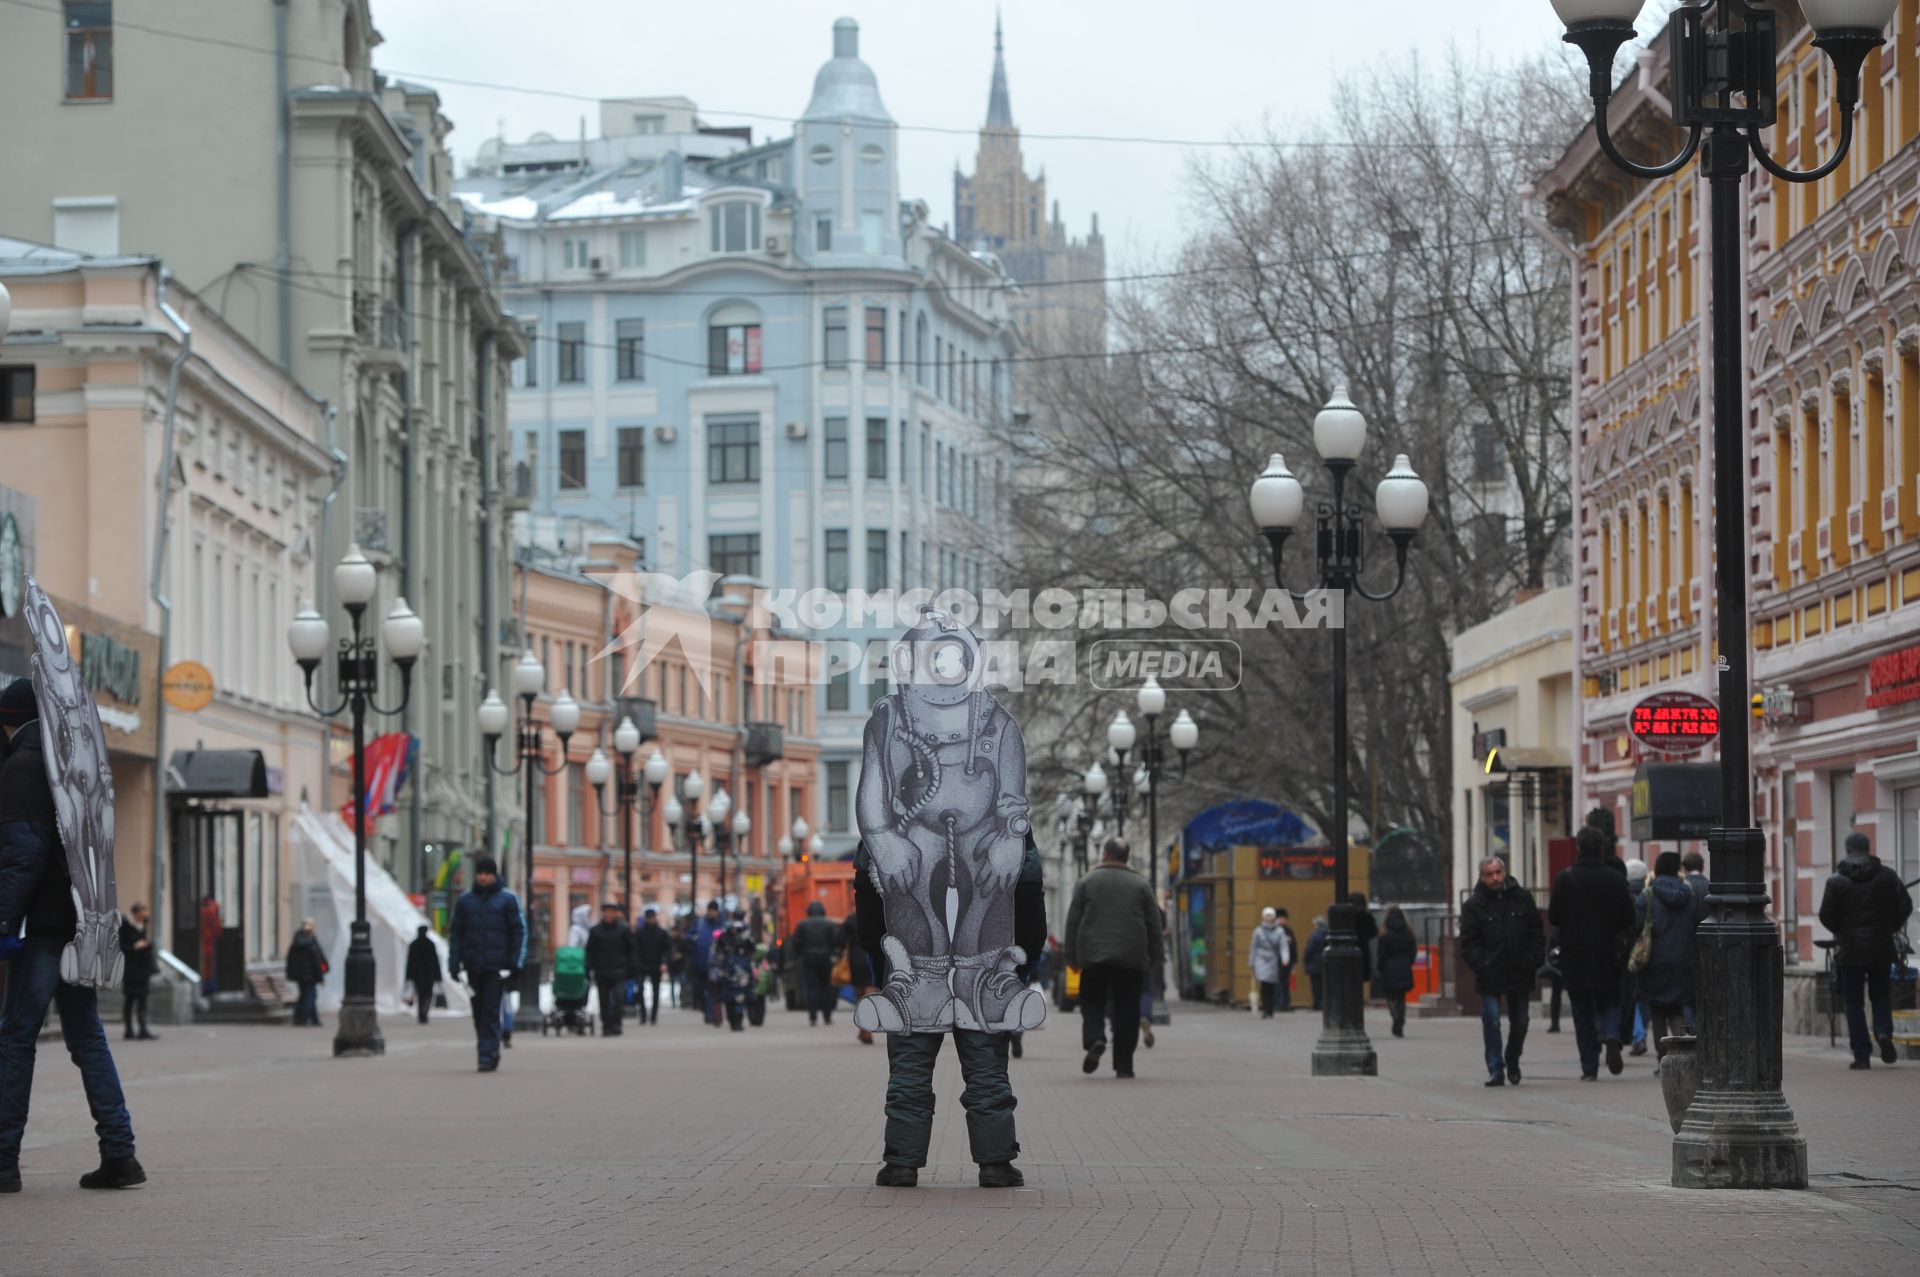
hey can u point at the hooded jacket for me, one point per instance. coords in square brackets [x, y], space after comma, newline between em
[1397, 951]
[488, 932]
[1863, 905]
[582, 924]
[35, 887]
[1667, 979]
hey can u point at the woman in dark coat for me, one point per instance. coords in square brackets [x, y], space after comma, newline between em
[1666, 983]
[1397, 951]
[306, 968]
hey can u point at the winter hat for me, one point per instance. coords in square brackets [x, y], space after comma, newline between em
[1857, 844]
[486, 865]
[18, 707]
[1667, 862]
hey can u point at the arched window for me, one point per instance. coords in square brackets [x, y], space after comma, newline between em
[733, 340]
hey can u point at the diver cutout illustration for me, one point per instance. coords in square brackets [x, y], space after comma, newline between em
[942, 808]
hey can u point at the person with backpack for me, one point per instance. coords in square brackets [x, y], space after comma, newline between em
[1865, 906]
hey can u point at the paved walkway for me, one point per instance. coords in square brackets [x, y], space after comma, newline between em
[698, 1151]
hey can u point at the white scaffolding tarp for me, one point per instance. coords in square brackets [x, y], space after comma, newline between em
[323, 850]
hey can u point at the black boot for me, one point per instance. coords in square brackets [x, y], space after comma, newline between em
[1000, 1175]
[115, 1172]
[892, 1176]
[9, 1179]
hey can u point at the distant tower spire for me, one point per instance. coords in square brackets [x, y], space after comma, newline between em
[999, 109]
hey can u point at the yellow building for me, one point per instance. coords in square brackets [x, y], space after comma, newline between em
[1832, 355]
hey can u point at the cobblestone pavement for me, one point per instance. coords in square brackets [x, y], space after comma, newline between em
[694, 1150]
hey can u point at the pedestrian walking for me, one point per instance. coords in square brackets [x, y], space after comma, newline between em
[1694, 866]
[730, 972]
[652, 953]
[1114, 937]
[703, 932]
[859, 965]
[136, 976]
[679, 958]
[423, 970]
[307, 966]
[1396, 951]
[1556, 987]
[610, 965]
[38, 918]
[988, 1098]
[1271, 956]
[1502, 943]
[488, 944]
[1314, 959]
[579, 926]
[1865, 906]
[1666, 981]
[812, 947]
[1591, 911]
[1633, 1012]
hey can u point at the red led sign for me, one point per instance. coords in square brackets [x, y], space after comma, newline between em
[1675, 722]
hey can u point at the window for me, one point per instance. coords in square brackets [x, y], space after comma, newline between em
[836, 447]
[823, 234]
[840, 692]
[876, 337]
[630, 349]
[733, 554]
[906, 429]
[837, 796]
[733, 349]
[632, 456]
[836, 343]
[939, 370]
[633, 249]
[904, 560]
[530, 366]
[733, 450]
[89, 48]
[876, 447]
[573, 459]
[876, 559]
[574, 253]
[940, 474]
[649, 124]
[736, 227]
[837, 568]
[16, 393]
[926, 450]
[572, 343]
[873, 231]
[920, 350]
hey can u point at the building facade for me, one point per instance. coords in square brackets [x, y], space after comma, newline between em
[88, 364]
[759, 364]
[1831, 322]
[336, 248]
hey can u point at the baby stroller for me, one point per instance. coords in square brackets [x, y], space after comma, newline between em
[569, 994]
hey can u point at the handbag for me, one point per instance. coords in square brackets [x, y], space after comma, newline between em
[1642, 951]
[842, 971]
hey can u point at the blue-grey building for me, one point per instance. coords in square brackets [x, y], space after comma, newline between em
[757, 359]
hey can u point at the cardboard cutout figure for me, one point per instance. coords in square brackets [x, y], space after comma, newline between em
[82, 784]
[942, 806]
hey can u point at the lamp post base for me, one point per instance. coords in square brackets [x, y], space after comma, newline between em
[1343, 1049]
[359, 1028]
[526, 1016]
[1739, 1140]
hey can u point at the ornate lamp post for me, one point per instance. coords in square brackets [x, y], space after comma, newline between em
[719, 807]
[626, 743]
[357, 668]
[1739, 1131]
[529, 677]
[1340, 435]
[684, 819]
[1151, 701]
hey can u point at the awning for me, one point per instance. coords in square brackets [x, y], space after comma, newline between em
[1675, 801]
[217, 773]
[1526, 758]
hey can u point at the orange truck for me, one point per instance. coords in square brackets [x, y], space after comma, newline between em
[828, 881]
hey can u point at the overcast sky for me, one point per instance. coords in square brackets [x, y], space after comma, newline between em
[1203, 69]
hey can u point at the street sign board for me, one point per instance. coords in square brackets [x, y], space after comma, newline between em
[187, 686]
[1675, 722]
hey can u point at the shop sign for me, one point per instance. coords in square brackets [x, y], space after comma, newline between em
[117, 664]
[1894, 679]
[1675, 722]
[187, 686]
[1296, 862]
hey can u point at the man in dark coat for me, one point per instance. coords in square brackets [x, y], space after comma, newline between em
[1114, 937]
[1591, 910]
[652, 950]
[423, 971]
[812, 945]
[1864, 905]
[37, 919]
[1503, 944]
[988, 1097]
[610, 965]
[306, 968]
[137, 974]
[488, 942]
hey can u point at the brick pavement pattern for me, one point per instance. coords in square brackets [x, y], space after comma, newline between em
[685, 1149]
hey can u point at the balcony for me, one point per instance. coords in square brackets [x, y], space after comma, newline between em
[766, 743]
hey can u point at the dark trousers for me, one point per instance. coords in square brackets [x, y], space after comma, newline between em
[134, 1009]
[306, 1008]
[1397, 1010]
[697, 992]
[1596, 1019]
[988, 1097]
[487, 988]
[1856, 983]
[1103, 982]
[613, 997]
[1283, 990]
[33, 981]
[1497, 1059]
[676, 984]
[644, 1011]
[422, 998]
[818, 978]
[736, 1008]
[1314, 978]
[1553, 1002]
[1267, 994]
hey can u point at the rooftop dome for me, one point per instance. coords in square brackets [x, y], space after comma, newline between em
[846, 87]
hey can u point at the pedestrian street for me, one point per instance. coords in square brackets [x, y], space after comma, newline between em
[682, 1148]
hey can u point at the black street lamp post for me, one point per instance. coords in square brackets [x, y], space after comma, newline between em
[684, 820]
[1151, 701]
[1339, 435]
[357, 668]
[1739, 1131]
[529, 677]
[600, 769]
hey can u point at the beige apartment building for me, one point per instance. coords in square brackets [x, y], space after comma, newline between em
[305, 200]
